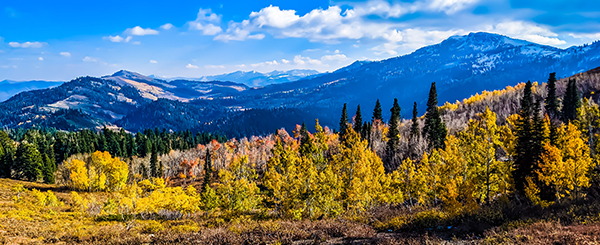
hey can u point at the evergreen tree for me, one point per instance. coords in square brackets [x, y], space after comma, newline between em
[365, 132]
[552, 99]
[154, 168]
[7, 155]
[28, 163]
[48, 170]
[377, 112]
[571, 102]
[393, 137]
[524, 157]
[207, 168]
[434, 129]
[414, 129]
[344, 122]
[304, 137]
[358, 122]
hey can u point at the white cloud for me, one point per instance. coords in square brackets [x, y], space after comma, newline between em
[334, 57]
[207, 22]
[450, 6]
[527, 31]
[284, 61]
[593, 36]
[90, 59]
[27, 44]
[266, 63]
[118, 39]
[65, 54]
[299, 60]
[240, 66]
[41, 59]
[190, 66]
[139, 31]
[136, 43]
[167, 26]
[153, 61]
[214, 66]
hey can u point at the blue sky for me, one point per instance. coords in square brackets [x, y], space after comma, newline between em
[61, 40]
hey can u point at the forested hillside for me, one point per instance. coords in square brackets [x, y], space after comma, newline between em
[493, 168]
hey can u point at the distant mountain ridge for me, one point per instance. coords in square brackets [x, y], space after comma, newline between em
[254, 78]
[9, 88]
[460, 66]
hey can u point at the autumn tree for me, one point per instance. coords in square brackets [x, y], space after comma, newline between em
[567, 166]
[238, 190]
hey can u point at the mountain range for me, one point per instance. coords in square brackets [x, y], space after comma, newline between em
[9, 88]
[460, 66]
[253, 78]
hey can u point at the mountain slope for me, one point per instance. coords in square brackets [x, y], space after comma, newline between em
[460, 66]
[10, 88]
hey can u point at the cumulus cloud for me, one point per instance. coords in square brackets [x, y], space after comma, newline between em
[207, 22]
[41, 59]
[450, 6]
[190, 66]
[118, 39]
[89, 59]
[266, 63]
[167, 26]
[27, 44]
[593, 36]
[527, 31]
[65, 54]
[334, 57]
[139, 31]
[153, 61]
[299, 60]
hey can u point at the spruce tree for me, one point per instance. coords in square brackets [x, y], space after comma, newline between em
[571, 102]
[393, 136]
[154, 168]
[434, 129]
[524, 156]
[414, 128]
[377, 112]
[28, 163]
[304, 137]
[365, 132]
[552, 99]
[7, 160]
[358, 122]
[344, 122]
[207, 167]
[48, 170]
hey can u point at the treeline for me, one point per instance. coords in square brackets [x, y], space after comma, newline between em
[34, 154]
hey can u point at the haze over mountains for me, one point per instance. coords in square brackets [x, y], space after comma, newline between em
[460, 66]
[253, 78]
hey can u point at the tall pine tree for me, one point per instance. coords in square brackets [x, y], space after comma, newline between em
[552, 99]
[571, 102]
[358, 122]
[393, 137]
[524, 158]
[414, 128]
[434, 129]
[377, 112]
[207, 168]
[154, 168]
[344, 122]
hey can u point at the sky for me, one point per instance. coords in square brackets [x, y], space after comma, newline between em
[61, 40]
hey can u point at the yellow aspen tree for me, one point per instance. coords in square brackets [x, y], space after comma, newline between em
[361, 172]
[409, 182]
[238, 190]
[431, 170]
[78, 175]
[567, 165]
